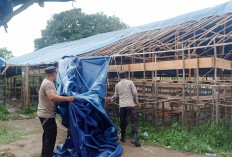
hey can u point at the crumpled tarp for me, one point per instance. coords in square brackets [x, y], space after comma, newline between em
[91, 133]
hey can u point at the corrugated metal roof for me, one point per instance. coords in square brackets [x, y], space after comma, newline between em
[56, 52]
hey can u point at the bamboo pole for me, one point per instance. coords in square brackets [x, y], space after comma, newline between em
[174, 51]
[184, 114]
[156, 95]
[26, 89]
[215, 82]
[197, 82]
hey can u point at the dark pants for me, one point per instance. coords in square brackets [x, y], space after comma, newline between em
[49, 136]
[130, 111]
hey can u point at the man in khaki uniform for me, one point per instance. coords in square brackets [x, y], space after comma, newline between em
[126, 92]
[46, 110]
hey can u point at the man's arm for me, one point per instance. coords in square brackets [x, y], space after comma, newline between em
[114, 97]
[52, 96]
[134, 93]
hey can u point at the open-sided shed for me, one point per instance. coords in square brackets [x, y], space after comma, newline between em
[181, 66]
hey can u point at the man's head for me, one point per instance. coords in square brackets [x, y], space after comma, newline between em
[51, 72]
[122, 74]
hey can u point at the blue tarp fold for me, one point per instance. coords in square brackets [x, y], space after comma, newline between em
[91, 133]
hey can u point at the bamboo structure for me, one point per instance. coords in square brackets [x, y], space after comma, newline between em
[181, 72]
[193, 61]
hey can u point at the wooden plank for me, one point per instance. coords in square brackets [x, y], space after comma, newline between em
[39, 71]
[223, 64]
[170, 65]
[36, 71]
[5, 69]
[114, 68]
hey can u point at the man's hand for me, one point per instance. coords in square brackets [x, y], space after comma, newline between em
[137, 104]
[107, 99]
[70, 98]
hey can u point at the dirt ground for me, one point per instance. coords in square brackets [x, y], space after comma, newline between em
[30, 145]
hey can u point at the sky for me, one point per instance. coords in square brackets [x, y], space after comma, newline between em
[27, 26]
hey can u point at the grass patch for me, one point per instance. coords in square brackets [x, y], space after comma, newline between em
[8, 134]
[5, 115]
[207, 138]
[29, 112]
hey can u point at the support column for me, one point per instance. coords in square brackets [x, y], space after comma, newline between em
[215, 82]
[26, 89]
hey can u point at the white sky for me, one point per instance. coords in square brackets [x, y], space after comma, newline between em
[27, 26]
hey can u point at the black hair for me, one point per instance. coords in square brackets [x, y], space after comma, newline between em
[122, 74]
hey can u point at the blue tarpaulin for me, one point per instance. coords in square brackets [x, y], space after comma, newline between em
[85, 45]
[2, 62]
[91, 133]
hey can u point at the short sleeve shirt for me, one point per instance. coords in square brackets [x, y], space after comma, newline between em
[46, 107]
[127, 93]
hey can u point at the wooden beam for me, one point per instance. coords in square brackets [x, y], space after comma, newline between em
[26, 89]
[173, 65]
[176, 51]
[37, 71]
[5, 69]
[223, 64]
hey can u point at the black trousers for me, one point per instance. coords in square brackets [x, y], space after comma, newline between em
[49, 136]
[130, 111]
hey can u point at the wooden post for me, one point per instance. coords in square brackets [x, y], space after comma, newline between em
[15, 82]
[144, 68]
[215, 82]
[230, 100]
[26, 90]
[133, 61]
[198, 114]
[189, 57]
[156, 93]
[163, 112]
[144, 103]
[129, 72]
[152, 72]
[184, 114]
[11, 86]
[121, 64]
[153, 104]
[5, 85]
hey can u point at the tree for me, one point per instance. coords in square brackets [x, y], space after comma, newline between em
[5, 54]
[74, 24]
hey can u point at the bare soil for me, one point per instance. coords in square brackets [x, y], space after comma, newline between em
[30, 145]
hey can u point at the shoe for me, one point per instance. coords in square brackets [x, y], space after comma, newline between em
[134, 140]
[123, 137]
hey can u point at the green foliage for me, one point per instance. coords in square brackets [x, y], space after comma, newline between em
[4, 114]
[5, 54]
[206, 138]
[74, 24]
[30, 112]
